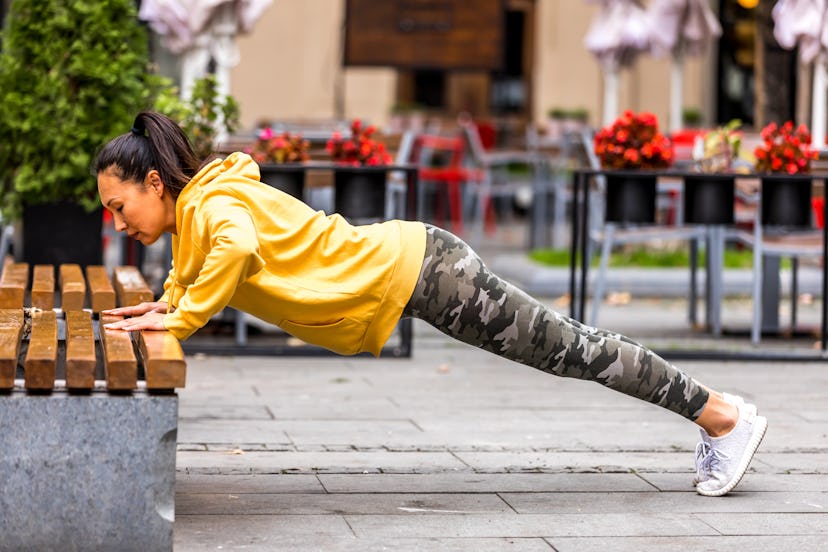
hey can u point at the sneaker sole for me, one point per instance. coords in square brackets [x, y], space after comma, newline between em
[759, 429]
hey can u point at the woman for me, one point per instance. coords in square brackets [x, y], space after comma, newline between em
[240, 243]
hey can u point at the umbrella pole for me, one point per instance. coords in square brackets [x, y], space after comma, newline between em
[676, 91]
[610, 96]
[818, 97]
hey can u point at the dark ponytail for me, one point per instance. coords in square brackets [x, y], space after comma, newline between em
[154, 142]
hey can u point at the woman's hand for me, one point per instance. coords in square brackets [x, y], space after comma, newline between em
[152, 320]
[139, 309]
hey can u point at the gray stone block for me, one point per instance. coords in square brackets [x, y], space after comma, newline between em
[88, 472]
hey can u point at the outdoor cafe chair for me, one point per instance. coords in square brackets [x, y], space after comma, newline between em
[777, 243]
[499, 180]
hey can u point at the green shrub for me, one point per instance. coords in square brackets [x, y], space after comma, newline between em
[72, 76]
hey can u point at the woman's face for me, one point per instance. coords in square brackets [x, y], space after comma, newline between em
[143, 210]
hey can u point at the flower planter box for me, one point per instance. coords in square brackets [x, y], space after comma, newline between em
[709, 199]
[289, 178]
[359, 193]
[59, 233]
[786, 201]
[631, 198]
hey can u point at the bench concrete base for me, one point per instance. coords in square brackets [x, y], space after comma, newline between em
[88, 472]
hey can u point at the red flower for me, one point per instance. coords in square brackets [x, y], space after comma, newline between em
[633, 142]
[359, 149]
[282, 148]
[785, 148]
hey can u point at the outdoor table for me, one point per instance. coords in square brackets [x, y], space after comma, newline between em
[579, 245]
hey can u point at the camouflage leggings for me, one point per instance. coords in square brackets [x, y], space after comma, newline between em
[459, 296]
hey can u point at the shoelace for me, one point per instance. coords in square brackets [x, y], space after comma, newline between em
[707, 460]
[702, 451]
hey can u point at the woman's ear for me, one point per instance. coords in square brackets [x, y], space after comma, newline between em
[155, 182]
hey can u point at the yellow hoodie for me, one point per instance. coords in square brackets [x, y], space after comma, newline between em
[244, 244]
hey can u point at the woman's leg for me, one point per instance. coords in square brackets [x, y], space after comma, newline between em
[458, 295]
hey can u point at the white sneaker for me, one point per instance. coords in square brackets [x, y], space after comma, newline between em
[701, 451]
[724, 460]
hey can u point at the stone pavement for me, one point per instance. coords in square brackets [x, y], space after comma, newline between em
[456, 449]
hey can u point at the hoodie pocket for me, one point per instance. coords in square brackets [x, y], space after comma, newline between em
[344, 336]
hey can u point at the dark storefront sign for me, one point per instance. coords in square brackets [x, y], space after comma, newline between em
[425, 34]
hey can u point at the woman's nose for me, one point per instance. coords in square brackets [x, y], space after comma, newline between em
[118, 222]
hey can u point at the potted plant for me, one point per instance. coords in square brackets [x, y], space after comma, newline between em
[632, 143]
[784, 155]
[691, 117]
[280, 158]
[360, 175]
[204, 117]
[72, 76]
[561, 120]
[709, 196]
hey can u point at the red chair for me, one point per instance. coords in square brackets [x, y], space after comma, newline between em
[440, 159]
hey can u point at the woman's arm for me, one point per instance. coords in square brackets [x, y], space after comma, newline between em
[231, 258]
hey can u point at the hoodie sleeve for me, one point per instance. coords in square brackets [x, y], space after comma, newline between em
[232, 256]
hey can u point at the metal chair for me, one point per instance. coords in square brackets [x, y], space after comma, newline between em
[770, 245]
[496, 179]
[442, 165]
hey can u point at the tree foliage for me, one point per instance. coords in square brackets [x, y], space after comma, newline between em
[73, 74]
[204, 116]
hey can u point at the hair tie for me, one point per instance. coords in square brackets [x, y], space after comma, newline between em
[137, 131]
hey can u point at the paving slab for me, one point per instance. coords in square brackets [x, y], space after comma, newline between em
[800, 543]
[240, 462]
[770, 482]
[193, 483]
[244, 504]
[484, 483]
[675, 502]
[767, 523]
[528, 525]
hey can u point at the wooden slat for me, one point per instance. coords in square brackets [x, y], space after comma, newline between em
[131, 287]
[120, 364]
[11, 326]
[43, 287]
[163, 359]
[101, 292]
[72, 287]
[80, 350]
[41, 358]
[13, 285]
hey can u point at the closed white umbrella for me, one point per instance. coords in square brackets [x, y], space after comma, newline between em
[804, 23]
[201, 30]
[616, 36]
[679, 28]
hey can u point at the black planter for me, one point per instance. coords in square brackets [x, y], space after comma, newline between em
[708, 199]
[289, 178]
[786, 201]
[631, 198]
[57, 233]
[359, 194]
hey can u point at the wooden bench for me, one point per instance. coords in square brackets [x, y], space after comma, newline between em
[13, 286]
[90, 414]
[156, 355]
[130, 286]
[72, 288]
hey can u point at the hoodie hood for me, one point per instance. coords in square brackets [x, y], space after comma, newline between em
[238, 165]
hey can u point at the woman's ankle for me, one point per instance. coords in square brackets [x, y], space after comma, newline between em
[718, 417]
